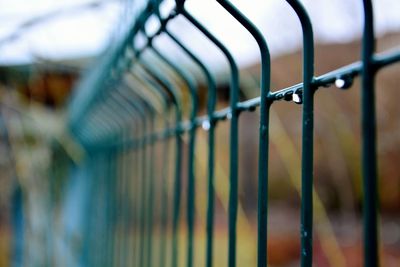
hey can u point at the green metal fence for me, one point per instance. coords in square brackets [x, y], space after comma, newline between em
[129, 116]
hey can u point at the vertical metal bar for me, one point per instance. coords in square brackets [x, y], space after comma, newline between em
[141, 156]
[117, 197]
[177, 187]
[264, 131]
[151, 160]
[104, 192]
[192, 132]
[150, 196]
[191, 147]
[368, 122]
[151, 177]
[164, 199]
[307, 173]
[137, 192]
[117, 106]
[132, 188]
[89, 229]
[146, 183]
[99, 244]
[130, 99]
[125, 190]
[104, 176]
[143, 193]
[133, 165]
[177, 102]
[113, 179]
[177, 197]
[116, 209]
[233, 155]
[111, 212]
[211, 103]
[138, 109]
[102, 254]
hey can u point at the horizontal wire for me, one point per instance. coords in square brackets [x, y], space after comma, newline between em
[348, 72]
[325, 80]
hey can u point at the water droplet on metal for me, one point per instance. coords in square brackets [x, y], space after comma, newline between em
[206, 125]
[344, 82]
[297, 98]
[339, 83]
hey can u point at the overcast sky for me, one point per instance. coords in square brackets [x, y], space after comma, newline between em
[65, 31]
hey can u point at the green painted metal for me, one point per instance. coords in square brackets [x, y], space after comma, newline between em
[211, 103]
[164, 203]
[192, 136]
[178, 144]
[191, 150]
[233, 154]
[368, 126]
[178, 163]
[264, 130]
[307, 172]
[119, 112]
[178, 116]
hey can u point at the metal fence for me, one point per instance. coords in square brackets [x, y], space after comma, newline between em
[129, 116]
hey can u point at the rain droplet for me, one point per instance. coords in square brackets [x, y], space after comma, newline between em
[339, 83]
[344, 82]
[297, 98]
[206, 125]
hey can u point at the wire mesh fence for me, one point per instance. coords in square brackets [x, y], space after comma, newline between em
[134, 195]
[146, 98]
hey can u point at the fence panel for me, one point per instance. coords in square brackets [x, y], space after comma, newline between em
[129, 114]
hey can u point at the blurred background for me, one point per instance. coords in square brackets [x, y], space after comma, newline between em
[46, 46]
